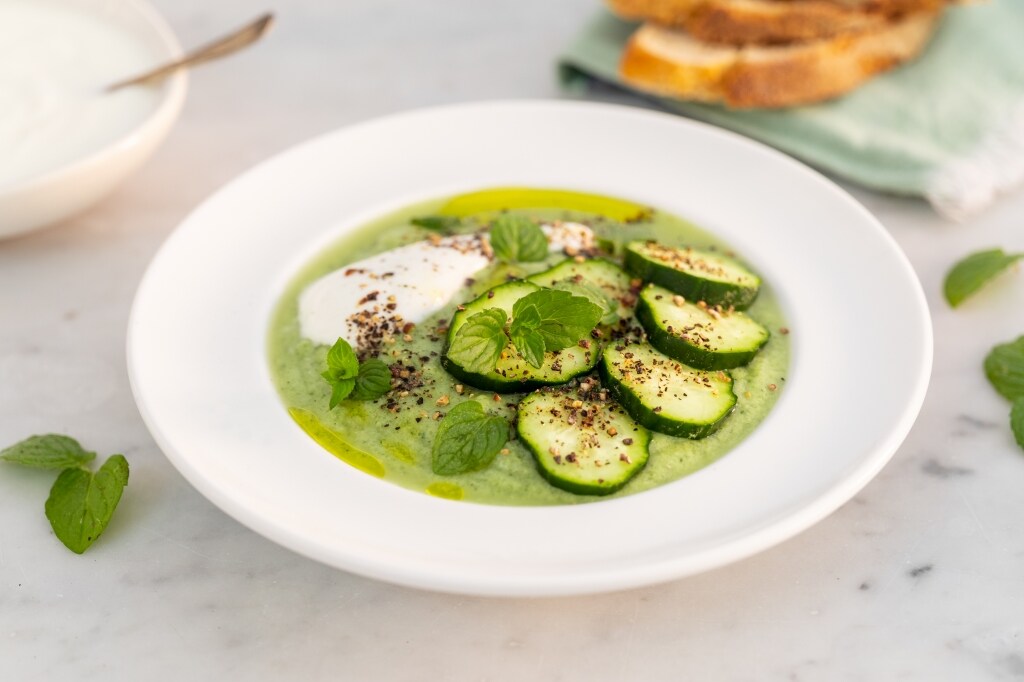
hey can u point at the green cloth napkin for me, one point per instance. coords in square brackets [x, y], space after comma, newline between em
[948, 127]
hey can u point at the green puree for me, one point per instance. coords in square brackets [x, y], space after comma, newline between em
[394, 446]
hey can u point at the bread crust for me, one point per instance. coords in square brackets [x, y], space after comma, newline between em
[770, 22]
[673, 64]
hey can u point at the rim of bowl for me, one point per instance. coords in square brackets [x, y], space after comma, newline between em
[168, 108]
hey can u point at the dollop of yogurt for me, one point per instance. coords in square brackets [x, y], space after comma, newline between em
[55, 58]
[384, 295]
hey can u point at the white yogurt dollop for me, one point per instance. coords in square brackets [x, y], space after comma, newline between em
[55, 58]
[381, 294]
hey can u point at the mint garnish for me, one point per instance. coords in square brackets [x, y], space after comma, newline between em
[543, 321]
[81, 502]
[51, 451]
[350, 379]
[1017, 420]
[479, 342]
[974, 271]
[467, 440]
[437, 223]
[516, 239]
[1004, 367]
[372, 381]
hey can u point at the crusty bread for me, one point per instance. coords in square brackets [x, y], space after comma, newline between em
[672, 63]
[743, 22]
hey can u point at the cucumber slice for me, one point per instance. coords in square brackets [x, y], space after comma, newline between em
[701, 336]
[612, 280]
[585, 446]
[665, 395]
[697, 275]
[513, 374]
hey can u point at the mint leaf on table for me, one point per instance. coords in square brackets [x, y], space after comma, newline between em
[437, 223]
[559, 317]
[479, 342]
[372, 381]
[81, 502]
[974, 271]
[594, 294]
[342, 370]
[1017, 420]
[51, 451]
[1004, 367]
[517, 239]
[467, 440]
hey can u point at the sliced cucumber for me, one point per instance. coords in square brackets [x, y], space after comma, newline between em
[665, 395]
[697, 275]
[585, 446]
[701, 336]
[512, 373]
[612, 280]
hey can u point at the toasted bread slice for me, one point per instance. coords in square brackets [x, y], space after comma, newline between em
[743, 22]
[673, 63]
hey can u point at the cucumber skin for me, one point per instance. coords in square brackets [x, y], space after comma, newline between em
[692, 287]
[499, 384]
[582, 488]
[677, 349]
[650, 419]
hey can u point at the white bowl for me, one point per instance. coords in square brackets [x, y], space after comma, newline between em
[69, 189]
[861, 333]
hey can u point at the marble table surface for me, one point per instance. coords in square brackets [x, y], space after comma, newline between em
[920, 577]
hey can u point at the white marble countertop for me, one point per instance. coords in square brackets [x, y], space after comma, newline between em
[920, 577]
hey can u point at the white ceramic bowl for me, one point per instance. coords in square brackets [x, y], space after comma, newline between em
[861, 334]
[62, 192]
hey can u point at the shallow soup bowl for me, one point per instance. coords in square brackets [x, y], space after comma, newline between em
[198, 358]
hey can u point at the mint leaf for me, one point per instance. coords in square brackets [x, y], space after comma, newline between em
[437, 223]
[342, 362]
[373, 381]
[1017, 420]
[516, 239]
[467, 440]
[51, 451]
[561, 318]
[340, 389]
[594, 294]
[81, 502]
[342, 370]
[974, 271]
[479, 342]
[1004, 368]
[526, 338]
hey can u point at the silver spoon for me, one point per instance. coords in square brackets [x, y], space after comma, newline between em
[222, 47]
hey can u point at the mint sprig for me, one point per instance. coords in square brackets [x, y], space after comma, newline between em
[974, 272]
[468, 439]
[557, 319]
[594, 294]
[81, 502]
[517, 239]
[542, 321]
[349, 378]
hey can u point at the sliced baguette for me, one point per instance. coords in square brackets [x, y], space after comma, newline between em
[744, 22]
[672, 63]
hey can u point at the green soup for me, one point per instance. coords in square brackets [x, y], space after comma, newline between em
[391, 438]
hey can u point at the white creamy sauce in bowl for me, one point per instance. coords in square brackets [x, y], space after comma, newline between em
[407, 284]
[55, 59]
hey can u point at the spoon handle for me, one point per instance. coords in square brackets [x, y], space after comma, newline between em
[222, 47]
